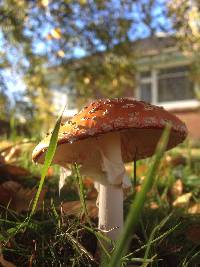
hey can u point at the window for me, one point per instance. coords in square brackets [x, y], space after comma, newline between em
[175, 85]
[145, 74]
[167, 86]
[146, 86]
[146, 92]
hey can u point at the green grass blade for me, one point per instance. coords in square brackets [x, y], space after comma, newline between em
[136, 207]
[82, 194]
[152, 235]
[47, 162]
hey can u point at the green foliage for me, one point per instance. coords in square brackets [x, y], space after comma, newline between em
[103, 75]
[43, 42]
[4, 99]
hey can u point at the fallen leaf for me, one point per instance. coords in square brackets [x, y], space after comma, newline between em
[22, 199]
[9, 170]
[88, 182]
[3, 262]
[7, 190]
[154, 205]
[2, 159]
[176, 189]
[174, 161]
[18, 196]
[75, 208]
[194, 209]
[193, 233]
[6, 263]
[92, 194]
[6, 144]
[182, 201]
[13, 154]
[178, 160]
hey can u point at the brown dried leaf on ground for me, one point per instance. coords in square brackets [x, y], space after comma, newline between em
[178, 160]
[182, 201]
[153, 205]
[193, 233]
[92, 194]
[88, 182]
[2, 160]
[194, 208]
[3, 262]
[7, 191]
[18, 196]
[24, 197]
[9, 170]
[13, 154]
[5, 145]
[142, 170]
[176, 189]
[75, 208]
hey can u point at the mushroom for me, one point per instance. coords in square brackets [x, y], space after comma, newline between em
[101, 138]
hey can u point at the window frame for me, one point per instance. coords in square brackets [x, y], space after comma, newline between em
[153, 79]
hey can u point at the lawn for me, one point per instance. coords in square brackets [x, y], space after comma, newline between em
[60, 234]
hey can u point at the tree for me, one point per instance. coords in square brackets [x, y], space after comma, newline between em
[17, 40]
[104, 30]
[48, 36]
[4, 100]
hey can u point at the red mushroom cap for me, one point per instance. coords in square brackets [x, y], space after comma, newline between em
[140, 125]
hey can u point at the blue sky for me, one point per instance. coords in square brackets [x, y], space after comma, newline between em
[14, 82]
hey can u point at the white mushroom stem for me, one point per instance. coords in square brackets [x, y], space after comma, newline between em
[109, 174]
[111, 193]
[111, 210]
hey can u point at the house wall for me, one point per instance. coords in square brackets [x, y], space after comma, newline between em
[192, 120]
[187, 111]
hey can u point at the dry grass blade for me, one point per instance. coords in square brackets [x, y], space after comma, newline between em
[81, 248]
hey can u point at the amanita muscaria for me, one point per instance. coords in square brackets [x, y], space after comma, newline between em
[102, 137]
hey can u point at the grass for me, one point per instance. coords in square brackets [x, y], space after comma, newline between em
[53, 239]
[160, 235]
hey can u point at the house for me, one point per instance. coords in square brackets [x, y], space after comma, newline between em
[163, 79]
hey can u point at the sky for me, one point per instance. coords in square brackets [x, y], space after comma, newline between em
[14, 82]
